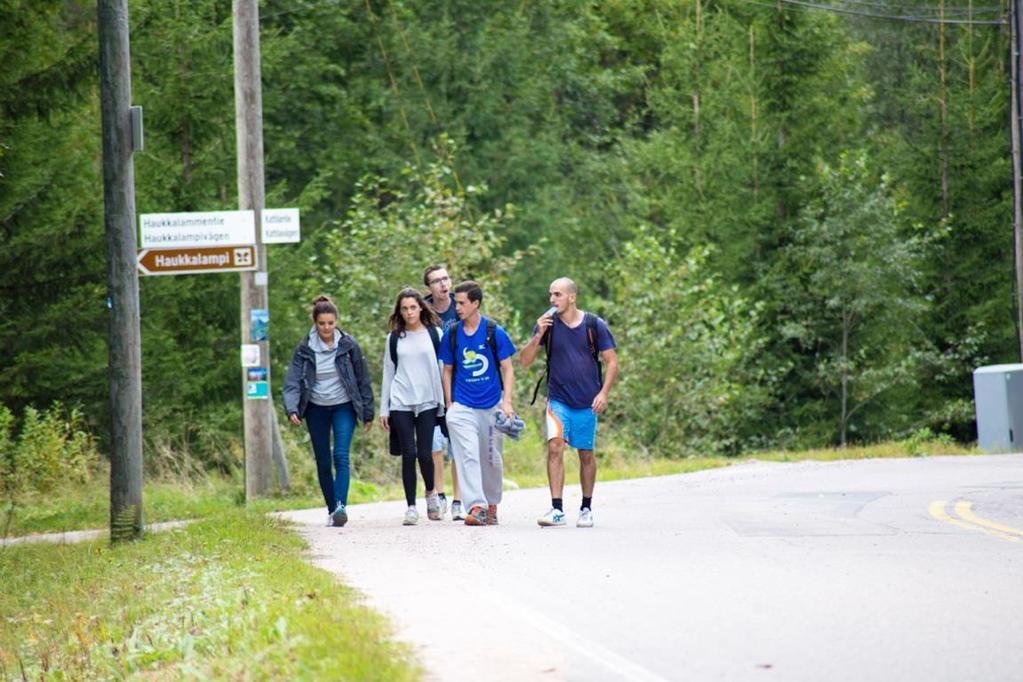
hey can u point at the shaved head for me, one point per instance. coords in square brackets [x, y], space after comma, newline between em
[567, 284]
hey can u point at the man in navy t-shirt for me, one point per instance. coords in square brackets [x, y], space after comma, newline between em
[576, 392]
[478, 380]
[440, 298]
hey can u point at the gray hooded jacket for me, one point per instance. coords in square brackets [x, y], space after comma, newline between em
[351, 368]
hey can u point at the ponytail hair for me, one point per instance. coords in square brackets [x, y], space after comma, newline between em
[321, 305]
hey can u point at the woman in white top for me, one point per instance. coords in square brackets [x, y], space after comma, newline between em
[411, 396]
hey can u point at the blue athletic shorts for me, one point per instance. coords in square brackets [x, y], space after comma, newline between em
[578, 426]
[441, 443]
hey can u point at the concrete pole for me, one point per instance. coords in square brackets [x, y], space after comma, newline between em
[122, 275]
[248, 106]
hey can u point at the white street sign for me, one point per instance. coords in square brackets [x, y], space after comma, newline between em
[280, 226]
[210, 228]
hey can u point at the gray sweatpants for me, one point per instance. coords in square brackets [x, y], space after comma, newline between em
[477, 446]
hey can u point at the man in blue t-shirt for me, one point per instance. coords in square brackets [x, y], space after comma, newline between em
[478, 380]
[576, 392]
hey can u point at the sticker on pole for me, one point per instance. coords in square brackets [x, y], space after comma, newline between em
[259, 324]
[257, 390]
[250, 355]
[256, 374]
[209, 228]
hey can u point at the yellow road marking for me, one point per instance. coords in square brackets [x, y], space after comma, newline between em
[937, 510]
[965, 509]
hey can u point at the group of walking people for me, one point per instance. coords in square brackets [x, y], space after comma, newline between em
[446, 395]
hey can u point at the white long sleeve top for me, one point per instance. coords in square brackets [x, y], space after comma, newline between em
[416, 385]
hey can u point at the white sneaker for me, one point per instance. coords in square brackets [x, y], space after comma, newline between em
[411, 517]
[330, 520]
[457, 514]
[433, 508]
[443, 507]
[553, 517]
[585, 519]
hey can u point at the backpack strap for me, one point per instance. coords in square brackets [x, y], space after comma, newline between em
[591, 334]
[452, 334]
[435, 337]
[545, 340]
[392, 341]
[492, 345]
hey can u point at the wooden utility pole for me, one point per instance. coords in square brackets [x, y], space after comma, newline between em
[248, 107]
[122, 277]
[1016, 132]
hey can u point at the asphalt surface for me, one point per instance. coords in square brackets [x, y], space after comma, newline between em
[906, 569]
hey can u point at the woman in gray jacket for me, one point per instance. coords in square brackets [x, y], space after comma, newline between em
[328, 385]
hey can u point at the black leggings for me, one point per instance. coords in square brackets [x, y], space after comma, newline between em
[415, 437]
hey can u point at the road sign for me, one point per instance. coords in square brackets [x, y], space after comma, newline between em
[187, 261]
[209, 228]
[280, 226]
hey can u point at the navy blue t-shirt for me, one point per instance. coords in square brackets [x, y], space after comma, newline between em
[476, 380]
[449, 316]
[574, 378]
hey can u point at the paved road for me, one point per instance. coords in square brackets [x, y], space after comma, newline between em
[871, 570]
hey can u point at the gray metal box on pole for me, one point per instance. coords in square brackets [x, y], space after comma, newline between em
[998, 395]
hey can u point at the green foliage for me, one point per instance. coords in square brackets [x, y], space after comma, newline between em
[46, 453]
[391, 232]
[405, 131]
[685, 341]
[854, 303]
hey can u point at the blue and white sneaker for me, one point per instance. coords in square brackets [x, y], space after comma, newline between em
[339, 516]
[553, 517]
[585, 518]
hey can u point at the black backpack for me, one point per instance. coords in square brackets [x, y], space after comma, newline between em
[590, 320]
[491, 344]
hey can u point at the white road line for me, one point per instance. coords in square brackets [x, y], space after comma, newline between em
[621, 667]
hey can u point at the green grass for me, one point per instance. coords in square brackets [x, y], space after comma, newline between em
[229, 597]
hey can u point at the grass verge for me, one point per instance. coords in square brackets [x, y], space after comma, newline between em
[228, 597]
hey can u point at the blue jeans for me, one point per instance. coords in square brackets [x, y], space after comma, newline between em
[320, 419]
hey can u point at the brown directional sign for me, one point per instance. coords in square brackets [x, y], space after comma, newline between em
[187, 261]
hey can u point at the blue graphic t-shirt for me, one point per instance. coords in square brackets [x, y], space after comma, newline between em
[476, 382]
[574, 378]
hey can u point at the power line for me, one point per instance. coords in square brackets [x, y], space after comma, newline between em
[801, 6]
[969, 11]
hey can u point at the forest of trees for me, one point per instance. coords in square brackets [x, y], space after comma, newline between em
[798, 223]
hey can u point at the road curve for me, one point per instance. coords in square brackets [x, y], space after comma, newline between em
[908, 569]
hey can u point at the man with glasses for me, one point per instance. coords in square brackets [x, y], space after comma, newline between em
[440, 298]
